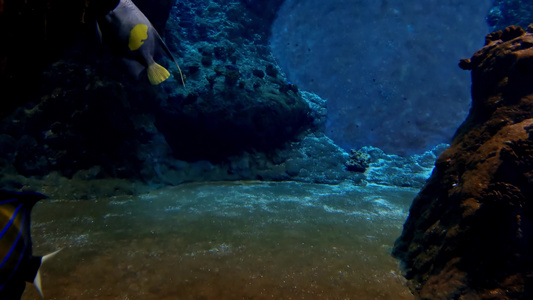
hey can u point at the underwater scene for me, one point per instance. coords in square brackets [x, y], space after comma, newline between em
[282, 149]
[239, 240]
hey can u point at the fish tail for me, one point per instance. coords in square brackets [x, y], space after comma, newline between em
[37, 279]
[157, 73]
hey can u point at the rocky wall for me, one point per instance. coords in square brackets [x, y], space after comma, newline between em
[469, 234]
[236, 118]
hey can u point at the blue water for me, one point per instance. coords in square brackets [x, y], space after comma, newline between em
[387, 68]
[231, 240]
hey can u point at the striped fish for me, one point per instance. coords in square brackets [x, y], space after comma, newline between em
[17, 263]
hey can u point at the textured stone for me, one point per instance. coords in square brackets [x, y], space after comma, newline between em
[90, 121]
[394, 170]
[469, 234]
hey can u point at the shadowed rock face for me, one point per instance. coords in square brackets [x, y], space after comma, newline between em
[237, 118]
[470, 229]
[387, 67]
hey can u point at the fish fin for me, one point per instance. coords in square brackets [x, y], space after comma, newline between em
[37, 279]
[157, 73]
[181, 74]
[165, 49]
[99, 32]
[37, 283]
[49, 255]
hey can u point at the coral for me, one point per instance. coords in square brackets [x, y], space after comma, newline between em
[237, 108]
[393, 170]
[358, 161]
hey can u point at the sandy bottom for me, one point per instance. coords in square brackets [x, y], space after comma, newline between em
[234, 240]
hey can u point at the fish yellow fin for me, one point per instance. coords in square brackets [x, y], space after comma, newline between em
[138, 35]
[157, 74]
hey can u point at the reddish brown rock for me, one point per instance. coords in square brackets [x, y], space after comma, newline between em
[469, 234]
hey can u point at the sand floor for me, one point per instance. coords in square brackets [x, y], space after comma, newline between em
[230, 240]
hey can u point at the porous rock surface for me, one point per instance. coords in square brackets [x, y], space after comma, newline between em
[469, 234]
[237, 118]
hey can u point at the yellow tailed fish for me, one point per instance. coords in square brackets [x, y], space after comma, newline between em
[136, 40]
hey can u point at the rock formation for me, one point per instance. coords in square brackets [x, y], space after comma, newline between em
[86, 119]
[469, 234]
